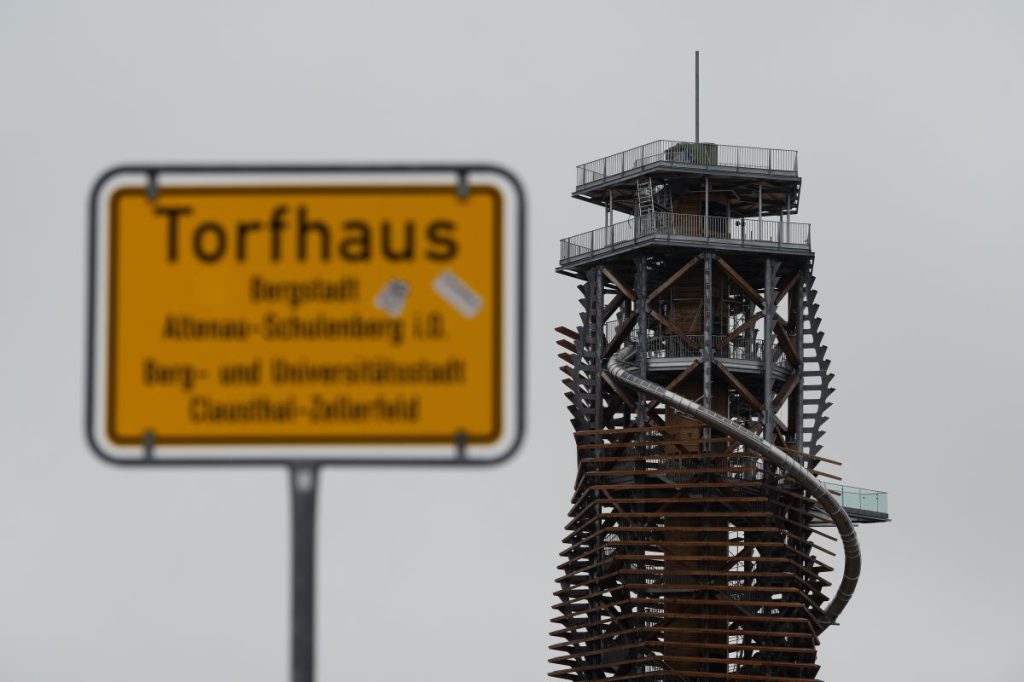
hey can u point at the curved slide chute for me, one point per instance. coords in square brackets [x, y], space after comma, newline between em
[621, 370]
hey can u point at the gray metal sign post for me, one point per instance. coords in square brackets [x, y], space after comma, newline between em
[303, 493]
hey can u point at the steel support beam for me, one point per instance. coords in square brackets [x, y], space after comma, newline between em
[707, 190]
[640, 293]
[801, 303]
[599, 340]
[707, 352]
[771, 267]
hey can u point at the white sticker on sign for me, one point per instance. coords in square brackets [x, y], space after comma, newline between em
[391, 299]
[458, 294]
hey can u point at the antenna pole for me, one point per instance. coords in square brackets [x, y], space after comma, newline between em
[696, 98]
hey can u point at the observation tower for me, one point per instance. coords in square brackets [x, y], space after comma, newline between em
[709, 537]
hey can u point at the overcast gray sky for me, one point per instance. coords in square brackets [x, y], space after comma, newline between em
[907, 119]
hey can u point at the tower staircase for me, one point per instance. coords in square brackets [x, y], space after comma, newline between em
[817, 379]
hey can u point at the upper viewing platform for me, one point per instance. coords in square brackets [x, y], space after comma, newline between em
[701, 157]
[748, 172]
[691, 194]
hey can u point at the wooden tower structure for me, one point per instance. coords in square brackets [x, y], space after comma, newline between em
[698, 386]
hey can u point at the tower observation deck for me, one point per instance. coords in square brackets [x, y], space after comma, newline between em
[698, 386]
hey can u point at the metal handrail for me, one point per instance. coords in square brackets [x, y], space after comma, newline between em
[755, 230]
[704, 155]
[672, 346]
[667, 345]
[861, 499]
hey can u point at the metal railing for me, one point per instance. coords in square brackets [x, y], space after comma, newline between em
[703, 155]
[757, 231]
[861, 499]
[689, 346]
[672, 346]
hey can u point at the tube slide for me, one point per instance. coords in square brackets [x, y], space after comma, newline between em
[622, 371]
